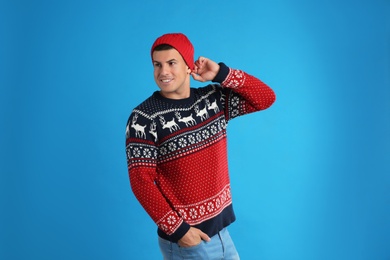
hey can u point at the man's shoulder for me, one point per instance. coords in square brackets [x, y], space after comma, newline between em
[147, 106]
[207, 90]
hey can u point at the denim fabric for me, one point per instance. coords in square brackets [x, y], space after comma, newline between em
[220, 247]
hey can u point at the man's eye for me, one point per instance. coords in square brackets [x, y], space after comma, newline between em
[157, 65]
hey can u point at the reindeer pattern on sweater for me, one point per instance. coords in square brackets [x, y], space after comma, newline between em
[176, 152]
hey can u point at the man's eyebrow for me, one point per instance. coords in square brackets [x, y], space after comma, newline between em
[165, 61]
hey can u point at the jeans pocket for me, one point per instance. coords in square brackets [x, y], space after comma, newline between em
[194, 252]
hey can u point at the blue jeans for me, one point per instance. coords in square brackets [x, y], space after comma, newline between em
[220, 247]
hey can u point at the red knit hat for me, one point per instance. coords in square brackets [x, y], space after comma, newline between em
[181, 43]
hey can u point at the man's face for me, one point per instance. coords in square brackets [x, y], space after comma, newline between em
[171, 74]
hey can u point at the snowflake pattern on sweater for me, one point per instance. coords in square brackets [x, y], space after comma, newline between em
[176, 151]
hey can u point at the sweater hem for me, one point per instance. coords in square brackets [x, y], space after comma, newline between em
[211, 227]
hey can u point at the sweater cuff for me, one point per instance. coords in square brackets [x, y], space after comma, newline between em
[222, 73]
[180, 232]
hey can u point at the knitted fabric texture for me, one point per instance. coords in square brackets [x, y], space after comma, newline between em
[177, 152]
[181, 43]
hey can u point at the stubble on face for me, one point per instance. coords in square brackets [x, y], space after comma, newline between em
[171, 74]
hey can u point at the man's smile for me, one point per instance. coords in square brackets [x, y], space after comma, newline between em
[166, 80]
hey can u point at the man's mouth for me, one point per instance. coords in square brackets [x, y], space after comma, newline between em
[166, 80]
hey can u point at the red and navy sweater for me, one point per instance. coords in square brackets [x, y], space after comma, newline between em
[177, 152]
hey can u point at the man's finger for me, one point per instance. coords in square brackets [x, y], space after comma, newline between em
[204, 236]
[197, 77]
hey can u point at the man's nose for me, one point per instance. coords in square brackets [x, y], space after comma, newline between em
[164, 69]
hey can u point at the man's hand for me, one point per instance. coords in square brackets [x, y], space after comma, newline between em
[205, 69]
[193, 237]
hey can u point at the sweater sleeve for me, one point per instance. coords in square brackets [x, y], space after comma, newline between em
[244, 93]
[141, 154]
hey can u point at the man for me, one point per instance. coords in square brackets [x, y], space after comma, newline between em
[176, 148]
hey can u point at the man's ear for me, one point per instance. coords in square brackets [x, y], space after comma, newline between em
[188, 70]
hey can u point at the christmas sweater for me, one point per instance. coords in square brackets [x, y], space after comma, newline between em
[177, 152]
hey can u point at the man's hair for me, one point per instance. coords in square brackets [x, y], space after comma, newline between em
[163, 47]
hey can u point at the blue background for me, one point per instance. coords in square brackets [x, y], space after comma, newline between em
[310, 175]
